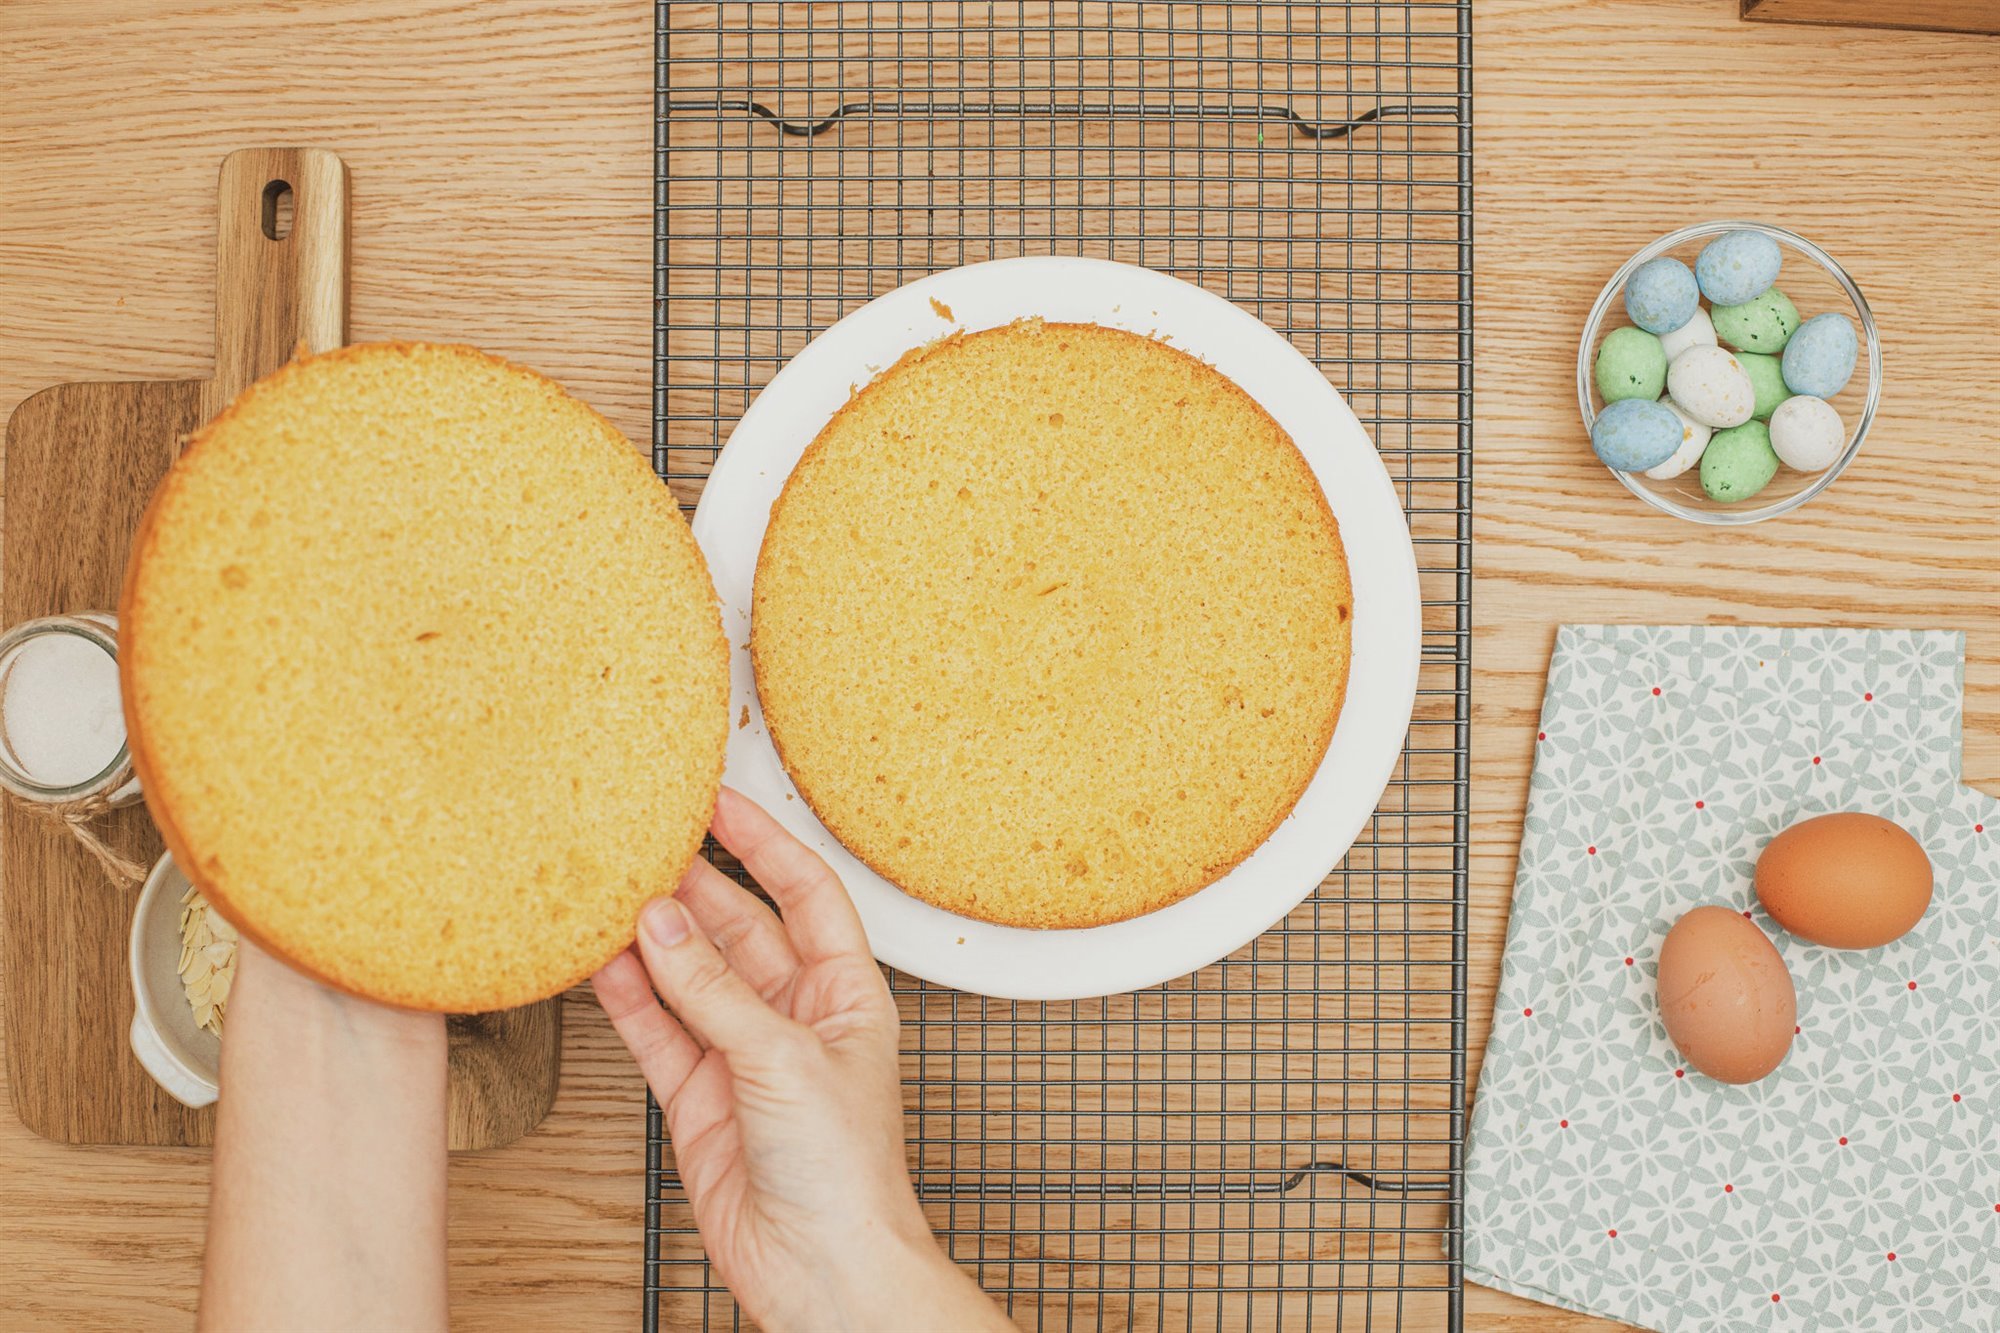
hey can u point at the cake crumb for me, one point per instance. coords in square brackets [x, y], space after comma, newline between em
[941, 310]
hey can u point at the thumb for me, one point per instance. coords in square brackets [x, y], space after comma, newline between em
[710, 999]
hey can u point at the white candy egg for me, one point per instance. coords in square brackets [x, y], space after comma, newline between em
[1697, 332]
[1711, 386]
[1807, 434]
[1694, 439]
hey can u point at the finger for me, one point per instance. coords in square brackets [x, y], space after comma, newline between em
[819, 915]
[665, 1053]
[701, 1124]
[742, 927]
[710, 999]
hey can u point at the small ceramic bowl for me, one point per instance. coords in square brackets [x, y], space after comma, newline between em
[1816, 285]
[184, 1059]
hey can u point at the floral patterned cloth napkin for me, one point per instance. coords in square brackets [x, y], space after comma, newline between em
[1858, 1187]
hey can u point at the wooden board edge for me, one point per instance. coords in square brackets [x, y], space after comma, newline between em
[1771, 11]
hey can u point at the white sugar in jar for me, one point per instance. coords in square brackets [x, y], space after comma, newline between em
[62, 726]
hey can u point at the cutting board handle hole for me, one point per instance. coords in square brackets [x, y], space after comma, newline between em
[278, 210]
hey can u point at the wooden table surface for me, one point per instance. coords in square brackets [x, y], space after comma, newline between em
[505, 156]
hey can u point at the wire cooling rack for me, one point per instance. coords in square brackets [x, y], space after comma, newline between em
[1274, 1141]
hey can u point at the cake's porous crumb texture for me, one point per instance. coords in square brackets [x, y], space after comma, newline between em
[1051, 625]
[424, 676]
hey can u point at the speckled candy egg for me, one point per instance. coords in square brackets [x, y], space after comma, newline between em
[1819, 360]
[1738, 266]
[1630, 364]
[1712, 387]
[1662, 295]
[1767, 381]
[1807, 434]
[1761, 324]
[1699, 331]
[1694, 439]
[1634, 434]
[1738, 463]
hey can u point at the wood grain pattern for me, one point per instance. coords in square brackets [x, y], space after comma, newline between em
[83, 459]
[281, 282]
[504, 155]
[1581, 160]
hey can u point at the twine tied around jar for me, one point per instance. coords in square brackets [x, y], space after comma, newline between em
[77, 816]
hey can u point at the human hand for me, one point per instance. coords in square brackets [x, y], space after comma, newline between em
[275, 986]
[775, 1062]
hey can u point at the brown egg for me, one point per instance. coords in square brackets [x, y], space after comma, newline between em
[1725, 995]
[1848, 881]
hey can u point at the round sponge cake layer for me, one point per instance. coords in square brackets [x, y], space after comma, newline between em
[1051, 625]
[424, 676]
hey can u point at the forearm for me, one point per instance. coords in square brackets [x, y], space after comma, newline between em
[327, 1207]
[884, 1284]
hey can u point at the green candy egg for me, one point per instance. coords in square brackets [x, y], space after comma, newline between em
[1738, 463]
[1631, 364]
[1762, 324]
[1767, 381]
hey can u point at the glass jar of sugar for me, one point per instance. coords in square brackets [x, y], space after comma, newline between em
[62, 726]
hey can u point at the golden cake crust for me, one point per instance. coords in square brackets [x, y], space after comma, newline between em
[424, 677]
[1051, 625]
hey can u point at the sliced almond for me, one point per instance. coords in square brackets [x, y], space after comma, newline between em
[208, 960]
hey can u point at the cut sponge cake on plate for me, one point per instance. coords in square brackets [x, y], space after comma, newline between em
[424, 676]
[1051, 625]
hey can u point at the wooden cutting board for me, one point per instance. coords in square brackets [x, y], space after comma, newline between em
[82, 460]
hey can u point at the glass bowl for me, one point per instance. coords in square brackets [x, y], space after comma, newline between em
[1815, 286]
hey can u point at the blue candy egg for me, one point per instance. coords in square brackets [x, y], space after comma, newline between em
[1819, 360]
[1662, 296]
[1634, 434]
[1738, 266]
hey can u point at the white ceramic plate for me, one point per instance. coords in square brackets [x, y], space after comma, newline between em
[1006, 961]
